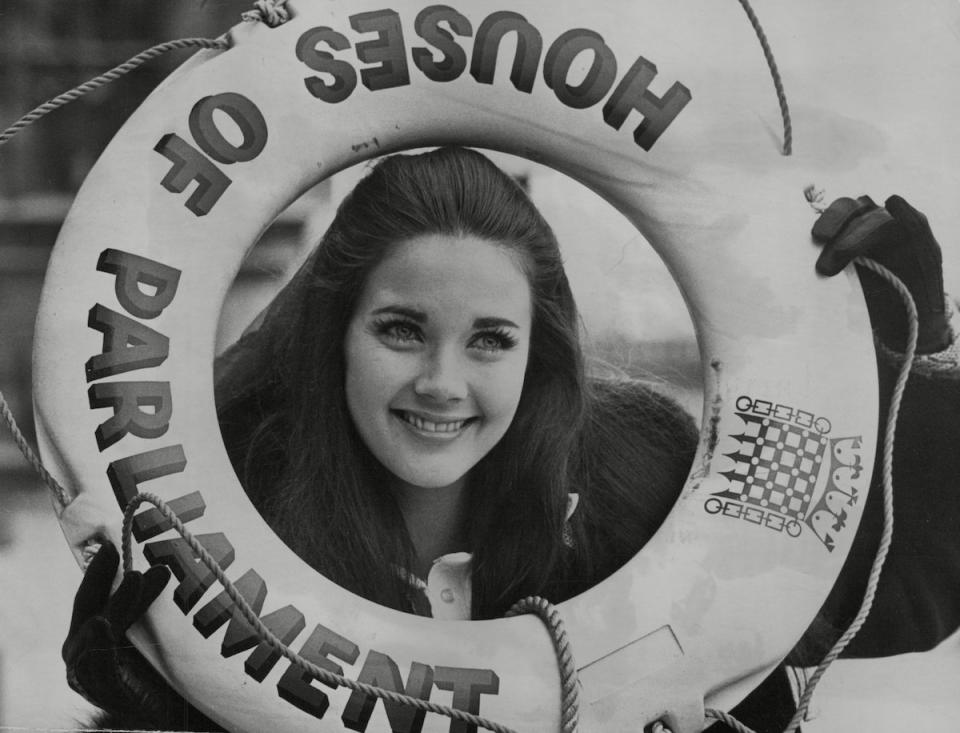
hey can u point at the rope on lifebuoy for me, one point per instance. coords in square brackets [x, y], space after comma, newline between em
[775, 73]
[59, 493]
[107, 77]
[886, 536]
[569, 681]
[270, 12]
[724, 718]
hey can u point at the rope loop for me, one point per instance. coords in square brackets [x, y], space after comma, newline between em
[569, 681]
[269, 12]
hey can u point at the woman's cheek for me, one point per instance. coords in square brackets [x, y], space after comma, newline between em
[372, 377]
[506, 386]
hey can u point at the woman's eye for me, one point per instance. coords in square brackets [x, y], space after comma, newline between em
[494, 341]
[400, 332]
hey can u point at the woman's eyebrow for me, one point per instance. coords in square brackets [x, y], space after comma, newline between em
[412, 313]
[494, 323]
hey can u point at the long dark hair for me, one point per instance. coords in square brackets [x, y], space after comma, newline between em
[286, 423]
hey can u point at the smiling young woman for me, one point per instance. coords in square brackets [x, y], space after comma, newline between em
[447, 356]
[435, 356]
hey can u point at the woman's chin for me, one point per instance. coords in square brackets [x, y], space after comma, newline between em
[432, 480]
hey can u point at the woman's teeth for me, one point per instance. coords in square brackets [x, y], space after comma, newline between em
[433, 427]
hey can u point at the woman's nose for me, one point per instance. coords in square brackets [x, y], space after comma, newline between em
[442, 377]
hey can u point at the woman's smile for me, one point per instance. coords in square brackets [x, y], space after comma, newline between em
[436, 354]
[434, 427]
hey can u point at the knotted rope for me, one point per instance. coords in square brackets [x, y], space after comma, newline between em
[270, 12]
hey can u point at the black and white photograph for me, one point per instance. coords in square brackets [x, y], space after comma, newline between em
[525, 367]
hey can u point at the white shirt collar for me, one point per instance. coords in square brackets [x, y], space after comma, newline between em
[448, 586]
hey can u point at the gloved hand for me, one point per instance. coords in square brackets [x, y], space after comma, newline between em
[898, 237]
[104, 667]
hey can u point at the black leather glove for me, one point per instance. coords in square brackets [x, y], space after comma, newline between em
[104, 667]
[899, 238]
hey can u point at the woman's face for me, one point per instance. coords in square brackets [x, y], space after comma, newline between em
[435, 355]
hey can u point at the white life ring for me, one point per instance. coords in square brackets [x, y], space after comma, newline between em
[627, 100]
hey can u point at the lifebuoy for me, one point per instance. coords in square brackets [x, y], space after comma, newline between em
[624, 99]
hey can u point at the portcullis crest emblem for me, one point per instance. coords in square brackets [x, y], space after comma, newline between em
[788, 474]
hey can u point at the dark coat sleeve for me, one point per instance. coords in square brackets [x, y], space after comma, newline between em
[179, 715]
[917, 604]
